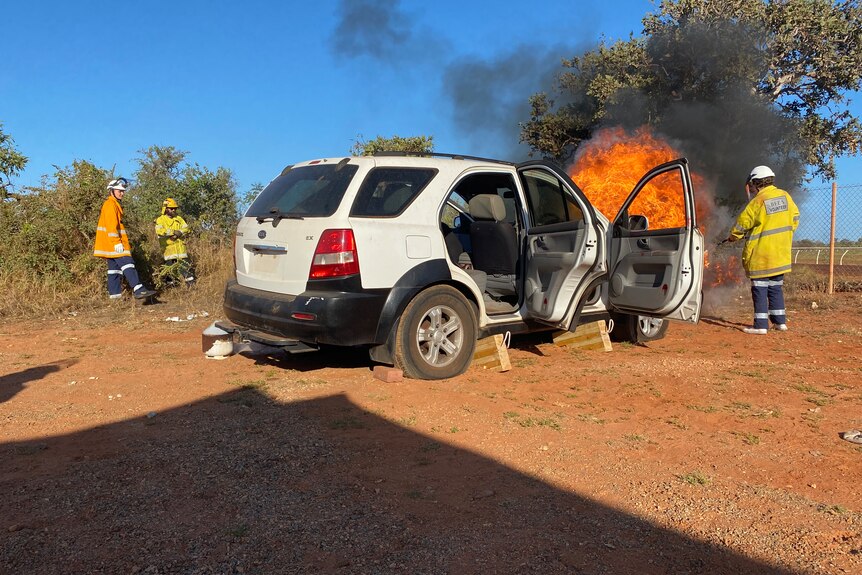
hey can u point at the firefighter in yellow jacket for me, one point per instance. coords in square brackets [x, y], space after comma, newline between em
[171, 229]
[112, 244]
[767, 223]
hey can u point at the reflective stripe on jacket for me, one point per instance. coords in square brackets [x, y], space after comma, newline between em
[172, 248]
[110, 231]
[767, 223]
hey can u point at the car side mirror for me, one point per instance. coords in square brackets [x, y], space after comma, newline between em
[456, 223]
[638, 223]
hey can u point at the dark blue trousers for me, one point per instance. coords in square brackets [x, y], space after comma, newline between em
[768, 297]
[117, 268]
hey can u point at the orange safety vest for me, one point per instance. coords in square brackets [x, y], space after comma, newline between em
[110, 231]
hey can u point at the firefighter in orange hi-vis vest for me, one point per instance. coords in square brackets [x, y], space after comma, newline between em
[113, 245]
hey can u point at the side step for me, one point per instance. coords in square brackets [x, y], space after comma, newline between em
[287, 344]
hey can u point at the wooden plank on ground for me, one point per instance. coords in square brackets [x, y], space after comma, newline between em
[491, 353]
[587, 336]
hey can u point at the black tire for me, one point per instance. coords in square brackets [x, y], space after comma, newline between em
[436, 335]
[638, 328]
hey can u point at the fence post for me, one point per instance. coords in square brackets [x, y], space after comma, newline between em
[832, 239]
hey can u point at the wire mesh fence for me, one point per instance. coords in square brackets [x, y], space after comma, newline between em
[812, 248]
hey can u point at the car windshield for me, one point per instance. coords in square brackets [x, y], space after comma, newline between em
[308, 191]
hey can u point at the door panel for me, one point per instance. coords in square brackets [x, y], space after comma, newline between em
[658, 271]
[556, 263]
[562, 245]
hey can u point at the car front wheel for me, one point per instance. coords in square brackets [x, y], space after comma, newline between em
[436, 336]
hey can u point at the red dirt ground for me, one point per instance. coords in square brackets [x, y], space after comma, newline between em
[125, 450]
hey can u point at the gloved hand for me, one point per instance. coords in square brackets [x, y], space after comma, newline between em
[119, 248]
[178, 233]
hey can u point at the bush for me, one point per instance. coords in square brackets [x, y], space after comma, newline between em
[46, 259]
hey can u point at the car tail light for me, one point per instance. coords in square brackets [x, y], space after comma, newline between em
[335, 255]
[233, 249]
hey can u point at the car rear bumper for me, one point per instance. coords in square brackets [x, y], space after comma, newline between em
[345, 318]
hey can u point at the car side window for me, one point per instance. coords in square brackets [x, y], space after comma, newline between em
[660, 204]
[388, 191]
[548, 199]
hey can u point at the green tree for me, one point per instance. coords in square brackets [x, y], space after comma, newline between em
[249, 196]
[51, 228]
[211, 198]
[755, 77]
[12, 162]
[207, 199]
[158, 176]
[418, 144]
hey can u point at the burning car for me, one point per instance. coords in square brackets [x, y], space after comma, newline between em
[415, 257]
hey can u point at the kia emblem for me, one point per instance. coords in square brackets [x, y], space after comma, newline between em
[261, 234]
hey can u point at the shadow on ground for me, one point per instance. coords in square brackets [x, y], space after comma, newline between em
[721, 322]
[240, 483]
[12, 383]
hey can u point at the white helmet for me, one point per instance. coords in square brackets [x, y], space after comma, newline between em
[118, 184]
[761, 172]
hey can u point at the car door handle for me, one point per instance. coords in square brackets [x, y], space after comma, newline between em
[643, 244]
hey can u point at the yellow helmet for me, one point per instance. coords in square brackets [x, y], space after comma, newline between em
[170, 203]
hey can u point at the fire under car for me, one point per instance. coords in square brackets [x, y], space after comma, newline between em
[415, 257]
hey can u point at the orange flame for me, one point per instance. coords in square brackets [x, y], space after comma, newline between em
[723, 271]
[609, 166]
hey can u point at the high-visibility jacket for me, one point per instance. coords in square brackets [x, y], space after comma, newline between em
[767, 223]
[173, 248]
[110, 231]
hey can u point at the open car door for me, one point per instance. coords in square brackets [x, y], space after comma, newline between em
[656, 250]
[562, 250]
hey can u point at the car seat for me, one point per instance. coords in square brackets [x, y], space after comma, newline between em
[494, 243]
[460, 258]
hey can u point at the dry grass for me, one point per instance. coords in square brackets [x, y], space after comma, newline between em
[28, 296]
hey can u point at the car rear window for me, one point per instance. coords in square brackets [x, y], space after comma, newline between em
[308, 191]
[387, 191]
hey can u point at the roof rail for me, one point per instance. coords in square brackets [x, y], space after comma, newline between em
[442, 155]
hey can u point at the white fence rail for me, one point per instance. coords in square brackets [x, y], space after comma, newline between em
[821, 255]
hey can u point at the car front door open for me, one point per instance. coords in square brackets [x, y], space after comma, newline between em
[656, 250]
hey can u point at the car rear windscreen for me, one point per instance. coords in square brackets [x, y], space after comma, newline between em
[308, 191]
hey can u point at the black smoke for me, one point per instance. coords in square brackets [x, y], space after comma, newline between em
[723, 127]
[484, 99]
[704, 103]
[370, 27]
[490, 97]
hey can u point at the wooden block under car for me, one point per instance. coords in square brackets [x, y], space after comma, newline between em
[587, 336]
[491, 353]
[387, 374]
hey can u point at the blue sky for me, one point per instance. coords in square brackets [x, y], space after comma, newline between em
[254, 86]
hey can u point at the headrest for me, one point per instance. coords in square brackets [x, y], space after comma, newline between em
[488, 207]
[396, 199]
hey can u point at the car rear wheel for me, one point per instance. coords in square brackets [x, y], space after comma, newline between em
[638, 328]
[436, 336]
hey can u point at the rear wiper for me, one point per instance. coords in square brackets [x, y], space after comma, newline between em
[278, 215]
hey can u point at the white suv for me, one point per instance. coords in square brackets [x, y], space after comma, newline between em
[417, 256]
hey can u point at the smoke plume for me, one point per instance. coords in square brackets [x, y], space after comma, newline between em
[485, 99]
[490, 97]
[370, 27]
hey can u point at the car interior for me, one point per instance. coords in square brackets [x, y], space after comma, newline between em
[481, 228]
